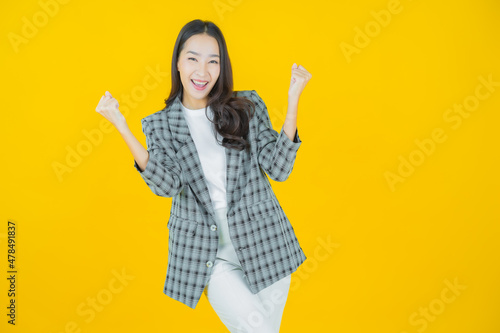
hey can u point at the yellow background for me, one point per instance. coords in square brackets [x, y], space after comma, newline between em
[393, 250]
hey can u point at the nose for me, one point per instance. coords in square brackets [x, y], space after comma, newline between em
[202, 69]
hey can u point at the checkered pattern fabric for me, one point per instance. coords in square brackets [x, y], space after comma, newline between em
[262, 235]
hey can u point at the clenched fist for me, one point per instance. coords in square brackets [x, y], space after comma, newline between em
[108, 108]
[300, 77]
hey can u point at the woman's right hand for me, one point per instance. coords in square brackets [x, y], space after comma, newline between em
[108, 108]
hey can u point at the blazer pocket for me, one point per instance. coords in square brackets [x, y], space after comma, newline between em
[181, 226]
[261, 209]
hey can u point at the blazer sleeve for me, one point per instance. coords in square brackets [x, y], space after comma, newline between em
[162, 173]
[276, 152]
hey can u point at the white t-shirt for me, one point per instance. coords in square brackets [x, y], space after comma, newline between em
[212, 155]
[213, 161]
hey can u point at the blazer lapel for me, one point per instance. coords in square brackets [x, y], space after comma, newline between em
[233, 161]
[191, 163]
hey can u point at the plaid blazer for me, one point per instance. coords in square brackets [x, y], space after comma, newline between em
[261, 233]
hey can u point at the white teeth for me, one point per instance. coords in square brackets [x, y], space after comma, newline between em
[200, 84]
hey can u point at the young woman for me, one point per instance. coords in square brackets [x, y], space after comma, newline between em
[210, 149]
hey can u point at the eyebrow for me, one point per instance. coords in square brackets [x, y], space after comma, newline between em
[196, 53]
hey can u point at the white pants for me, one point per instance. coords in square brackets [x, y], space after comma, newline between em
[229, 295]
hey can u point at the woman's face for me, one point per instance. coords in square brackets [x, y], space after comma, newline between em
[199, 62]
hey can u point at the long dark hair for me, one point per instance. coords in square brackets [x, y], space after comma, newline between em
[231, 114]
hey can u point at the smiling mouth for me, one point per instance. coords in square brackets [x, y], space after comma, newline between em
[200, 84]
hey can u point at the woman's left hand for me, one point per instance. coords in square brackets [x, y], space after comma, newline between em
[300, 77]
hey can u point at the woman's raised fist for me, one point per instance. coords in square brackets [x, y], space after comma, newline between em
[108, 108]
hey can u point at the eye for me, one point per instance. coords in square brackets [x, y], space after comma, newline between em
[214, 61]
